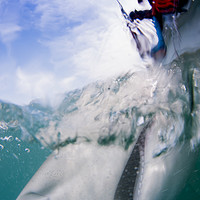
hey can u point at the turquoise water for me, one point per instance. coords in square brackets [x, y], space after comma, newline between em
[21, 155]
[18, 165]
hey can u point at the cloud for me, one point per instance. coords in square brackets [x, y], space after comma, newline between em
[8, 32]
[79, 42]
[44, 85]
[52, 14]
[96, 45]
[9, 18]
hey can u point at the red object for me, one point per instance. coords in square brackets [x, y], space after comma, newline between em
[164, 6]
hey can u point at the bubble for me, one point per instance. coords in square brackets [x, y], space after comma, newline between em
[3, 125]
[140, 121]
[17, 139]
[1, 147]
[7, 138]
[27, 150]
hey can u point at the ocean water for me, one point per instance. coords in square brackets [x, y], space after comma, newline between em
[99, 123]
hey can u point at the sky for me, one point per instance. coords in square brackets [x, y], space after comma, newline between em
[49, 47]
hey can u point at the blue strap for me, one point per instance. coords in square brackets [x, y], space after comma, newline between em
[161, 42]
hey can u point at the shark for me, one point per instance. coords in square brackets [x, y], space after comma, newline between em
[152, 176]
[90, 172]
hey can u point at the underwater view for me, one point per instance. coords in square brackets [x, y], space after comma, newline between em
[132, 135]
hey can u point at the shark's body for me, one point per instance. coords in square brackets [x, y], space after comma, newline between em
[152, 176]
[76, 172]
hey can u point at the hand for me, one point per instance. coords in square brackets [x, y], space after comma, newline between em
[133, 15]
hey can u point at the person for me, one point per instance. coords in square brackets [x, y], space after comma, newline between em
[162, 11]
